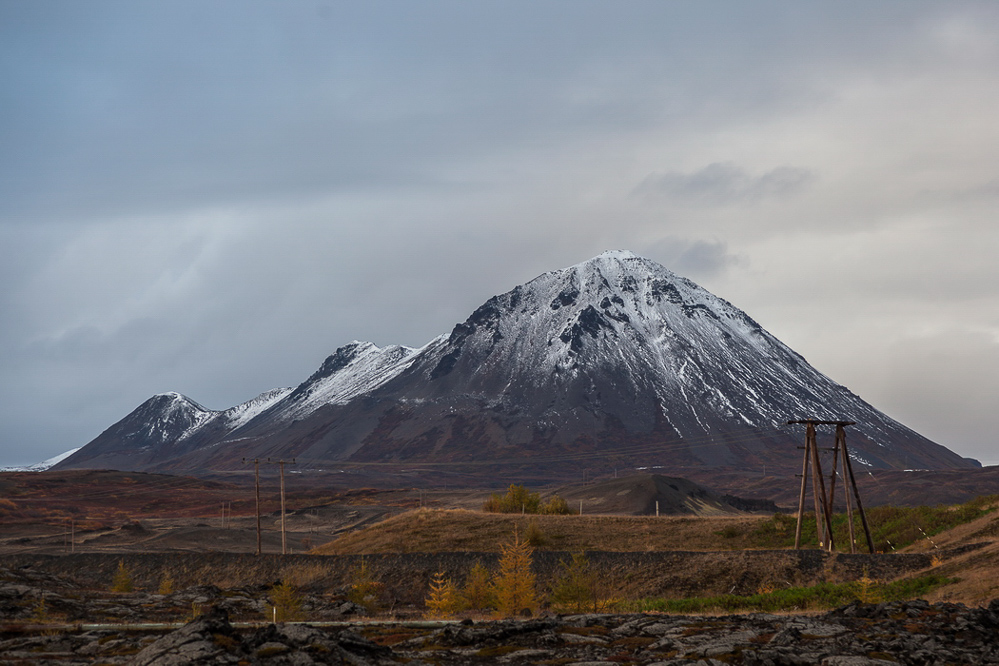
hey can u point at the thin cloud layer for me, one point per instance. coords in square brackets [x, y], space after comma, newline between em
[725, 182]
[212, 198]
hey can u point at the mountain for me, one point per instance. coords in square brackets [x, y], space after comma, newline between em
[613, 362]
[41, 466]
[167, 426]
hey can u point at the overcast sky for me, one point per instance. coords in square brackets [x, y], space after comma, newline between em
[211, 197]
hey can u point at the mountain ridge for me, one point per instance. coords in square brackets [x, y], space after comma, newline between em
[609, 357]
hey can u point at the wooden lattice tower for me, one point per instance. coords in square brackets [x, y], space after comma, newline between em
[824, 502]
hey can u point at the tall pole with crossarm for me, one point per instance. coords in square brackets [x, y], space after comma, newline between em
[256, 492]
[284, 534]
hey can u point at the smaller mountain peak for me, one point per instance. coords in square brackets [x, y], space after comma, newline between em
[173, 401]
[360, 344]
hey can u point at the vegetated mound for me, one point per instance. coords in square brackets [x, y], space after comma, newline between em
[651, 494]
[458, 530]
[977, 568]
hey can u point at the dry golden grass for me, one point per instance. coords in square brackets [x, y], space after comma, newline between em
[459, 530]
[301, 575]
[977, 570]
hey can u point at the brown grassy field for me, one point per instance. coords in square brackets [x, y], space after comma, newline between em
[181, 515]
[459, 530]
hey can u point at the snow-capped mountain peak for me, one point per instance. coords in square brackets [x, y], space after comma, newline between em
[616, 353]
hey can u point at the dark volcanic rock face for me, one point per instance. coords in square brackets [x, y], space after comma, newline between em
[615, 358]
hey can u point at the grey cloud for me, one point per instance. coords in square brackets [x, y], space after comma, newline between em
[122, 107]
[945, 387]
[725, 182]
[987, 189]
[696, 259]
[381, 169]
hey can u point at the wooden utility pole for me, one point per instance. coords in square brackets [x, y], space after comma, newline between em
[256, 478]
[840, 451]
[256, 490]
[284, 536]
[819, 495]
[824, 502]
[848, 468]
[804, 486]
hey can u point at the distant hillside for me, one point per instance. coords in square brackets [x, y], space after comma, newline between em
[647, 494]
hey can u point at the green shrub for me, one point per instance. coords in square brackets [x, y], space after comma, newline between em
[166, 584]
[575, 589]
[364, 589]
[892, 527]
[287, 602]
[534, 536]
[816, 597]
[518, 499]
[477, 593]
[556, 506]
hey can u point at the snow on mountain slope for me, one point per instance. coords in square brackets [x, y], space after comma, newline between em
[166, 424]
[172, 424]
[240, 415]
[616, 353]
[173, 416]
[42, 466]
[180, 418]
[616, 348]
[622, 319]
[352, 370]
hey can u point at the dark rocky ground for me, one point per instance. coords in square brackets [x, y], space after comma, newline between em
[77, 587]
[913, 632]
[49, 618]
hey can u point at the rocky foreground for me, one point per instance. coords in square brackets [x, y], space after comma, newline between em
[49, 618]
[913, 632]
